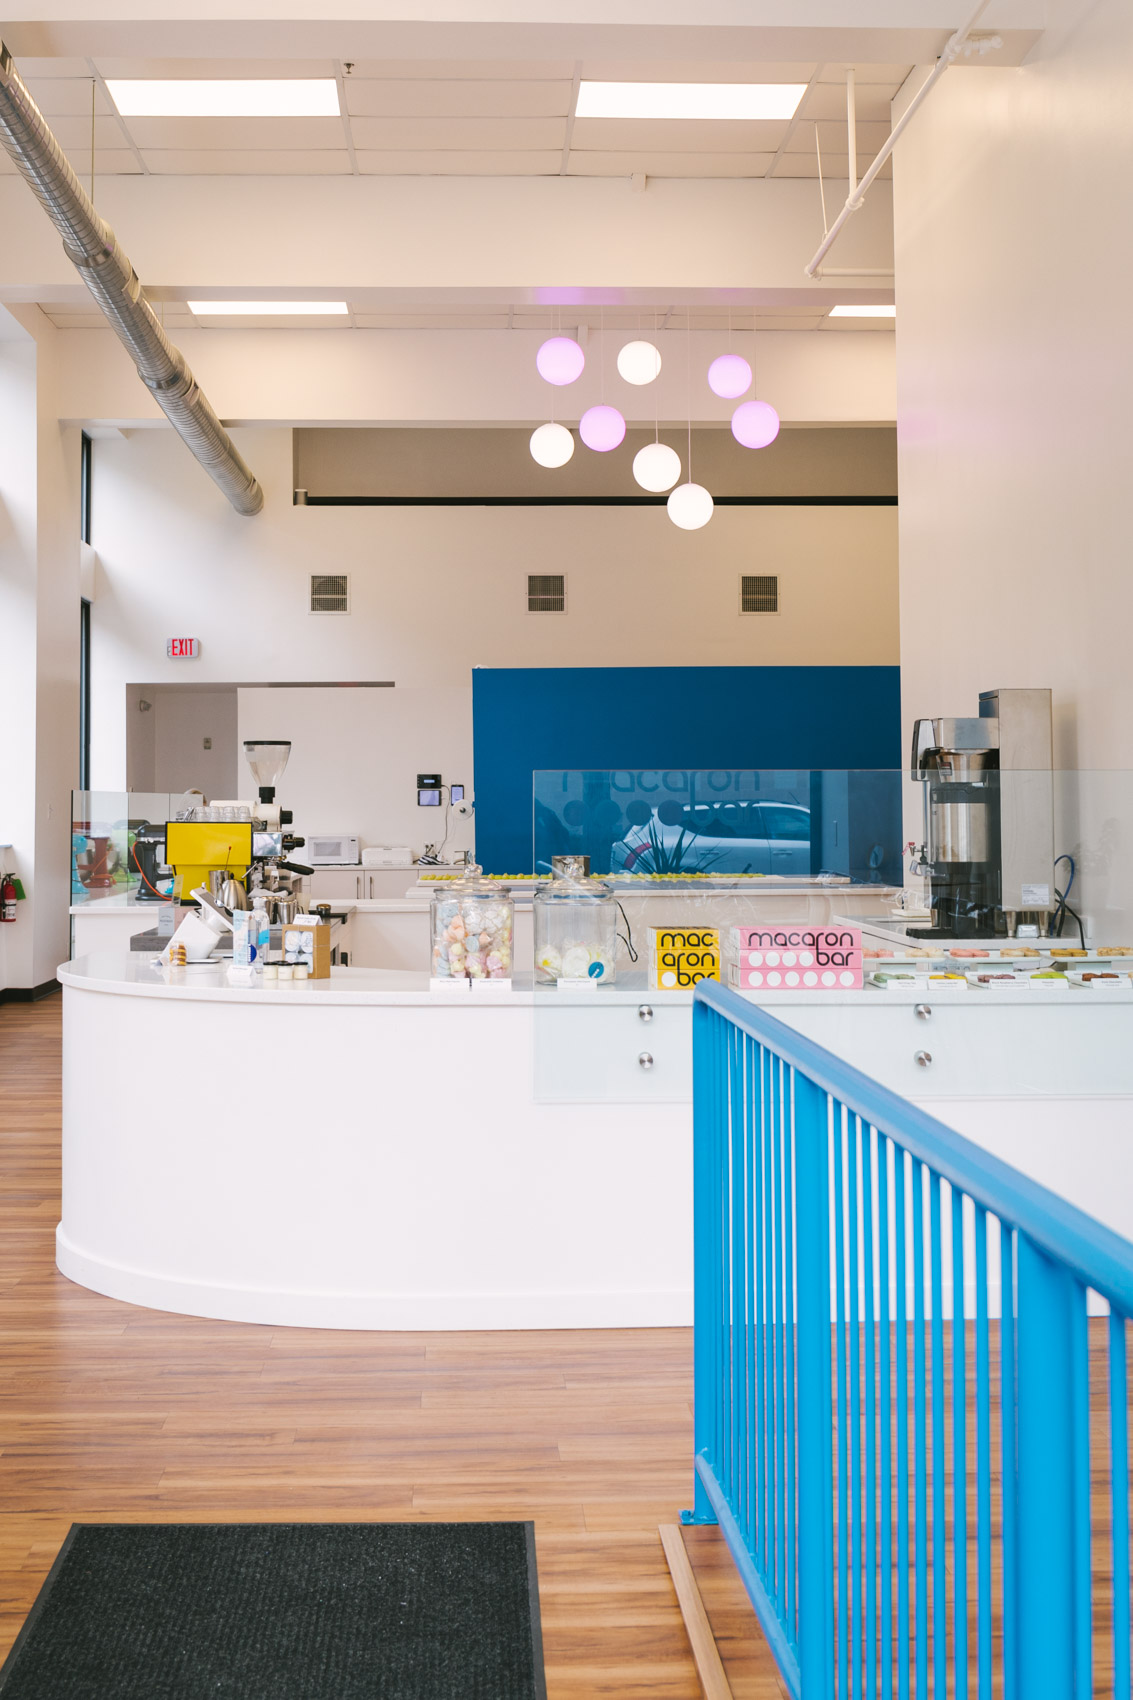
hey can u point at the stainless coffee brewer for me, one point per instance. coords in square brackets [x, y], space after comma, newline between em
[989, 817]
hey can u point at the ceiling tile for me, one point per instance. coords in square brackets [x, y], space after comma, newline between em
[236, 162]
[832, 136]
[431, 70]
[180, 68]
[56, 96]
[604, 164]
[237, 133]
[893, 74]
[699, 71]
[441, 322]
[108, 162]
[490, 134]
[30, 68]
[73, 134]
[458, 163]
[829, 101]
[410, 98]
[833, 167]
[679, 135]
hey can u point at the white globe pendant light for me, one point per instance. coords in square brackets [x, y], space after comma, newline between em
[551, 445]
[560, 360]
[639, 362]
[690, 506]
[755, 424]
[602, 428]
[656, 467]
[729, 376]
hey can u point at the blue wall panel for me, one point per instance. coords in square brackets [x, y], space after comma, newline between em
[530, 718]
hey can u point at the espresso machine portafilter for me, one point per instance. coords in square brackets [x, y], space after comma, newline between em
[989, 817]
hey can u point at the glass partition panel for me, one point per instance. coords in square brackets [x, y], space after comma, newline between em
[722, 823]
[104, 829]
[1000, 900]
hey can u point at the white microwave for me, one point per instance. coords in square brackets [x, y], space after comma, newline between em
[324, 848]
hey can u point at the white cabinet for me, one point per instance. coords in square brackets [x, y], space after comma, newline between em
[327, 884]
[391, 939]
[604, 1053]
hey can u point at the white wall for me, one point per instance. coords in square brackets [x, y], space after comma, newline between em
[165, 742]
[1015, 366]
[356, 754]
[438, 591]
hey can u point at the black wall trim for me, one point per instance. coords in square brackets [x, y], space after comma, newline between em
[592, 501]
[29, 994]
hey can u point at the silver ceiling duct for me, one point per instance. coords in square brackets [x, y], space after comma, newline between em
[93, 247]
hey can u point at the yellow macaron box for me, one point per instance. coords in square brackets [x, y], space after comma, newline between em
[679, 957]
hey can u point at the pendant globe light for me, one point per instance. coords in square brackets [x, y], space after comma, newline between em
[551, 445]
[639, 362]
[656, 467]
[755, 423]
[729, 376]
[690, 505]
[602, 428]
[560, 360]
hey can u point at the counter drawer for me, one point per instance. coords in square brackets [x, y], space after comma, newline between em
[612, 1053]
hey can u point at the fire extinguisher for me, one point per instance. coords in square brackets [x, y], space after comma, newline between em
[7, 898]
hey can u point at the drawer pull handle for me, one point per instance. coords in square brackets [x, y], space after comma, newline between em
[923, 1059]
[645, 1013]
[645, 1060]
[923, 1012]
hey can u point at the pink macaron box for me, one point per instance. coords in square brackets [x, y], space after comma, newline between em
[796, 958]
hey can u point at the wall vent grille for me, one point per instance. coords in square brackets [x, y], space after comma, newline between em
[330, 593]
[546, 593]
[759, 595]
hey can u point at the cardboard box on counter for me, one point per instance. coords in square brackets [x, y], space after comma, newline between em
[794, 957]
[312, 946]
[679, 957]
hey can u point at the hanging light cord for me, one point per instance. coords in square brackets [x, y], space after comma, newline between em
[688, 383]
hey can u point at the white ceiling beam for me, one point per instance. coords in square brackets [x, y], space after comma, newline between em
[358, 234]
[472, 378]
[883, 31]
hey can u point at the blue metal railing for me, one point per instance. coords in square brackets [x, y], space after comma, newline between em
[910, 1426]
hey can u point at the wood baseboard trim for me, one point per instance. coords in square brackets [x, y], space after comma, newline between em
[29, 994]
[705, 1653]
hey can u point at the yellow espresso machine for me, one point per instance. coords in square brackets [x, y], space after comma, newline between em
[193, 848]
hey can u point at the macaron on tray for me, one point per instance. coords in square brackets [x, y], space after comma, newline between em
[990, 969]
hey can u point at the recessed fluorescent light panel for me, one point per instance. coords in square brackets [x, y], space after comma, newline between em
[852, 312]
[229, 97]
[688, 100]
[265, 309]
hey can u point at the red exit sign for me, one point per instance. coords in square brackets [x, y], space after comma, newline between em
[182, 649]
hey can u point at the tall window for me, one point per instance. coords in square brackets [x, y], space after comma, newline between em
[84, 487]
[84, 695]
[84, 620]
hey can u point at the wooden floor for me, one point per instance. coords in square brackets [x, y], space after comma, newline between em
[111, 1413]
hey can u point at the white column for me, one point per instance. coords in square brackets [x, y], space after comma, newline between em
[39, 643]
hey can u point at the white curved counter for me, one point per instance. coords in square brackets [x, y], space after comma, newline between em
[355, 1153]
[360, 1152]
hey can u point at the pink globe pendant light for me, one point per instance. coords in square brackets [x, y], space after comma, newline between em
[560, 360]
[755, 424]
[602, 428]
[729, 376]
